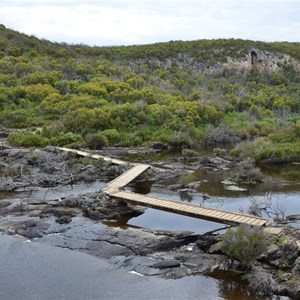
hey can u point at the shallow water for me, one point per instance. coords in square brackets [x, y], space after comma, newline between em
[281, 187]
[38, 271]
[282, 181]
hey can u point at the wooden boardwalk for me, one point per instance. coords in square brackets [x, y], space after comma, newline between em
[95, 156]
[114, 189]
[199, 212]
[127, 177]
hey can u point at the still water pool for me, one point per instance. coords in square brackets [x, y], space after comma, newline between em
[280, 191]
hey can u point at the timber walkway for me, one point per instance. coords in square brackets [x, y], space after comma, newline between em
[114, 189]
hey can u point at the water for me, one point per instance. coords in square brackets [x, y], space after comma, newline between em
[38, 271]
[282, 181]
[281, 186]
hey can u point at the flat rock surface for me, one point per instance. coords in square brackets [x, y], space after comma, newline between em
[36, 271]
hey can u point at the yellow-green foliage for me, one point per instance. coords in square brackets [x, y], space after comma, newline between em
[27, 139]
[173, 92]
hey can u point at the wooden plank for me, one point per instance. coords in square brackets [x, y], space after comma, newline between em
[128, 176]
[194, 211]
[94, 156]
[209, 213]
[274, 230]
[188, 209]
[218, 214]
[223, 215]
[113, 189]
[252, 221]
[241, 218]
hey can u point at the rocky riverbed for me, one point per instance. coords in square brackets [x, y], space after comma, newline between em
[77, 222]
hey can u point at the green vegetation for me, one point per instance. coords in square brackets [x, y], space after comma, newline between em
[177, 92]
[96, 141]
[244, 244]
[28, 139]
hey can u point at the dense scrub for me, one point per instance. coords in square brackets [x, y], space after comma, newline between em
[171, 92]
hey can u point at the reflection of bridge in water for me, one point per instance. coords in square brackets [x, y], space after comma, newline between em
[114, 189]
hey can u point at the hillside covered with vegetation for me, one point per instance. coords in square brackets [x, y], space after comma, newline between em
[192, 93]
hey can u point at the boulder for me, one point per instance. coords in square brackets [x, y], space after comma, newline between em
[159, 146]
[293, 217]
[194, 185]
[216, 248]
[169, 263]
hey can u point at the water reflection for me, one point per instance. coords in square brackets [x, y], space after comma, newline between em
[282, 181]
[232, 287]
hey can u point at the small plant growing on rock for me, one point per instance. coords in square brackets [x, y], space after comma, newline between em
[220, 152]
[244, 244]
[292, 281]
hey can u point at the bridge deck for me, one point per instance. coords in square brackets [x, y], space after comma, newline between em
[209, 214]
[114, 190]
[95, 156]
[127, 177]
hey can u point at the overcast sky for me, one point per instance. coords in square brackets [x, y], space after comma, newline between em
[125, 22]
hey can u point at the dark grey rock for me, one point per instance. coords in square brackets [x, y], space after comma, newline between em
[159, 146]
[194, 185]
[293, 217]
[175, 187]
[216, 248]
[170, 263]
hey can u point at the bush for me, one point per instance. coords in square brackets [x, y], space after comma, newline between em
[19, 118]
[66, 139]
[244, 244]
[112, 135]
[188, 153]
[265, 151]
[221, 134]
[27, 139]
[96, 141]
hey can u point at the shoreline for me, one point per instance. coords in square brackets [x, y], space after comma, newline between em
[73, 223]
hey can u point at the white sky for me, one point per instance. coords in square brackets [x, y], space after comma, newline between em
[124, 22]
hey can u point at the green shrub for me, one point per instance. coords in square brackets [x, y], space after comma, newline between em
[188, 153]
[130, 139]
[265, 150]
[19, 118]
[113, 136]
[96, 141]
[27, 139]
[66, 139]
[244, 244]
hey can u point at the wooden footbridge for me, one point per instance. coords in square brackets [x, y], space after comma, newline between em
[115, 189]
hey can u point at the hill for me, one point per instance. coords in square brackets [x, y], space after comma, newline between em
[204, 91]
